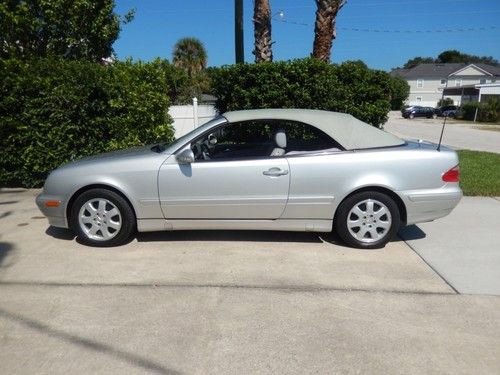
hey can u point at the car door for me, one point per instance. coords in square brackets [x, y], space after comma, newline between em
[233, 176]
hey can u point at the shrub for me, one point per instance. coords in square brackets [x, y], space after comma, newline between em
[468, 111]
[308, 83]
[444, 101]
[53, 111]
[488, 111]
[399, 92]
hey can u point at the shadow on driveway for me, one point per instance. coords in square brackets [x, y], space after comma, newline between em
[226, 235]
[8, 202]
[60, 233]
[410, 233]
[5, 214]
[96, 346]
[6, 259]
[12, 191]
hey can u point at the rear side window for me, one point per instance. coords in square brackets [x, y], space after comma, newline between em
[306, 138]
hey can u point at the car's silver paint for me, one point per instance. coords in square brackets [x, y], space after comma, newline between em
[166, 195]
[133, 173]
[223, 189]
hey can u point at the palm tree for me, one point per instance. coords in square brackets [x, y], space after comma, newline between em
[190, 55]
[262, 31]
[324, 27]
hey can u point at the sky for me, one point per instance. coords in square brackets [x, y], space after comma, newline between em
[382, 33]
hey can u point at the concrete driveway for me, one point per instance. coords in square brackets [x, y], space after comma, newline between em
[464, 247]
[229, 302]
[458, 136]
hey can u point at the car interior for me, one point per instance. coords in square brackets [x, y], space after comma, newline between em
[261, 139]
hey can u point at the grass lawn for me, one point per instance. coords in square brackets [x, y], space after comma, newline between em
[494, 128]
[479, 173]
[468, 122]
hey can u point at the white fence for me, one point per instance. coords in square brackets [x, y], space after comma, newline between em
[188, 117]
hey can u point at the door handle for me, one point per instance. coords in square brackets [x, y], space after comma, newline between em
[275, 172]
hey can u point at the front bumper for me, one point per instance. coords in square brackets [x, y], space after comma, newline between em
[55, 215]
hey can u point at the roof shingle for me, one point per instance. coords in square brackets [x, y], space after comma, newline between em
[440, 70]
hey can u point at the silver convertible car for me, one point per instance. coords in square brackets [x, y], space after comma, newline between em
[270, 169]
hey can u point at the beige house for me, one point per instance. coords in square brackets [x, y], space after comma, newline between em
[431, 82]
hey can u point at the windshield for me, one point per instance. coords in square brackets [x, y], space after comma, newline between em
[172, 147]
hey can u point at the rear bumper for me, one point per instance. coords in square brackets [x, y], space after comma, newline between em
[428, 205]
[55, 215]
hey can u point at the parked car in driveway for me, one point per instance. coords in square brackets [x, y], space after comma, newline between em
[416, 111]
[447, 110]
[408, 108]
[270, 169]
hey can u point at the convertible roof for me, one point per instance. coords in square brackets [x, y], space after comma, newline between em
[347, 130]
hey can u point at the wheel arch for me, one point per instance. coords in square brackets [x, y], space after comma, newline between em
[85, 188]
[395, 197]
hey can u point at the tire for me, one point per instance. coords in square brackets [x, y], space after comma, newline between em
[411, 116]
[373, 231]
[102, 218]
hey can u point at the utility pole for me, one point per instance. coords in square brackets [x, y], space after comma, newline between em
[238, 31]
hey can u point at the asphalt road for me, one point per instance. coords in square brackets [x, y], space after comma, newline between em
[231, 302]
[459, 136]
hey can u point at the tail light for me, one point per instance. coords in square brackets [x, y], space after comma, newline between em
[452, 175]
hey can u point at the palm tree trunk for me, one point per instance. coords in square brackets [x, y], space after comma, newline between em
[262, 31]
[324, 27]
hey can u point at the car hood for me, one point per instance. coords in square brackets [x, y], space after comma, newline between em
[119, 155]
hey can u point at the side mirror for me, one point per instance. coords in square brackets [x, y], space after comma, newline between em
[185, 157]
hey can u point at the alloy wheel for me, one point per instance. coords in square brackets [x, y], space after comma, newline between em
[99, 219]
[369, 221]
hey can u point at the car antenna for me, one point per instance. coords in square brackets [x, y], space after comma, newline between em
[442, 131]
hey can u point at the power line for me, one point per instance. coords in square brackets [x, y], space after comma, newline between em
[395, 31]
[396, 2]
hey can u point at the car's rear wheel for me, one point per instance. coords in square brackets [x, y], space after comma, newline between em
[367, 220]
[102, 217]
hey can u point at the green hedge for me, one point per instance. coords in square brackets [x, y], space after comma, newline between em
[309, 83]
[54, 110]
[468, 110]
[488, 111]
[400, 89]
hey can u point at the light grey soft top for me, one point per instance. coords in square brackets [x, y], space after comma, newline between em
[347, 130]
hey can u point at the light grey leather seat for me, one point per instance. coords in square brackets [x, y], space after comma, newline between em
[280, 141]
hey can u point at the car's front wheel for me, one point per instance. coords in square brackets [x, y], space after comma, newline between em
[102, 217]
[367, 220]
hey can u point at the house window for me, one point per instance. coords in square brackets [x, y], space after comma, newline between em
[493, 80]
[419, 99]
[458, 82]
[482, 80]
[443, 82]
[420, 83]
